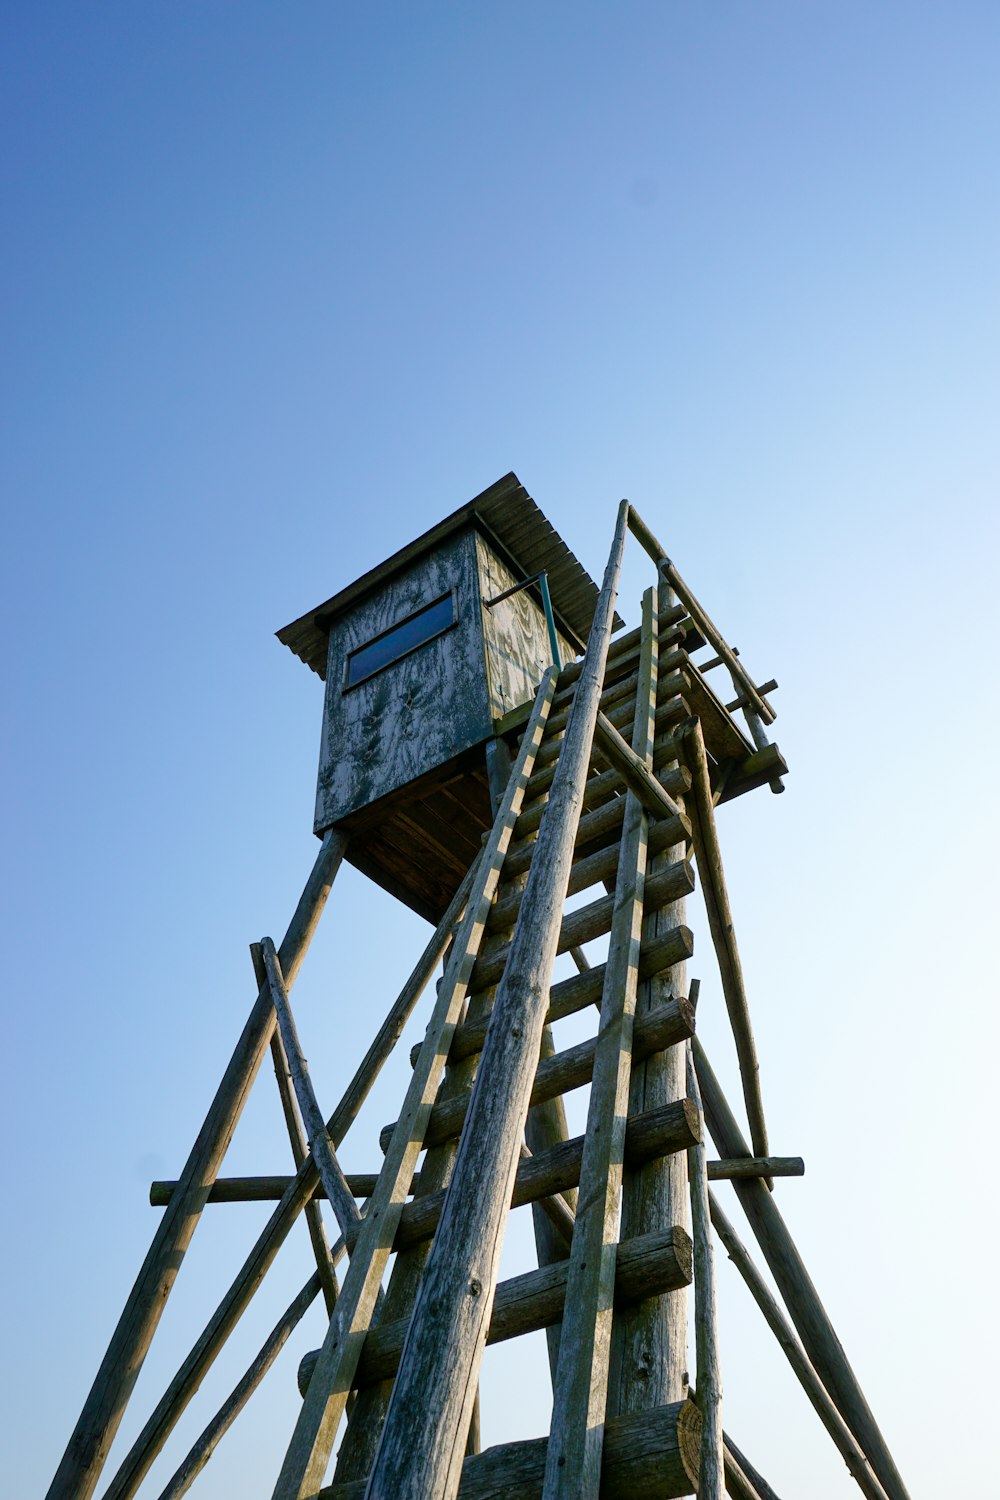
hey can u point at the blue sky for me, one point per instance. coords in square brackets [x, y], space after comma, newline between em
[281, 287]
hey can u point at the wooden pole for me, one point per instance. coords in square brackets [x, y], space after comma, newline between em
[711, 1482]
[420, 1454]
[710, 631]
[199, 1360]
[810, 1382]
[720, 920]
[81, 1464]
[320, 1146]
[807, 1312]
[300, 1148]
[312, 1440]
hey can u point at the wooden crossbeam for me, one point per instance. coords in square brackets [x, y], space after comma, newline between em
[643, 1267]
[653, 1456]
[300, 1147]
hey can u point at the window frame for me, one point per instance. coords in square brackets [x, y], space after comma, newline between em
[348, 687]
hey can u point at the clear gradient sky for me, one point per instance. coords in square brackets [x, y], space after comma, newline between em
[284, 285]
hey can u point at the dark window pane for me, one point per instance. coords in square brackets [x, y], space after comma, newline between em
[402, 638]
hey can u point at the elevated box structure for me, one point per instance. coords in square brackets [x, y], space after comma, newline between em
[425, 658]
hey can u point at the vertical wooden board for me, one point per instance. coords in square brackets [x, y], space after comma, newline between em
[416, 713]
[515, 636]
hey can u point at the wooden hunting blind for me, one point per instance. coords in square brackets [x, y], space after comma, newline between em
[492, 749]
[425, 658]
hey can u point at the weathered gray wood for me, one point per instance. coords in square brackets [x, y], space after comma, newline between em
[650, 1136]
[436, 698]
[671, 1022]
[712, 1482]
[362, 1184]
[720, 920]
[536, 1299]
[420, 1453]
[576, 1434]
[300, 1147]
[651, 1457]
[320, 1146]
[207, 1442]
[741, 700]
[604, 808]
[306, 1460]
[588, 869]
[588, 922]
[779, 1325]
[515, 635]
[584, 988]
[649, 1342]
[83, 1460]
[756, 1166]
[300, 1190]
[807, 1313]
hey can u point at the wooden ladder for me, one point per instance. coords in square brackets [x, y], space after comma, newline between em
[622, 762]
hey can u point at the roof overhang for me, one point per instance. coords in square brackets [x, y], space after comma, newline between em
[507, 513]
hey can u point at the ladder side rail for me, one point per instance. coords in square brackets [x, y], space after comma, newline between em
[80, 1467]
[670, 576]
[308, 1453]
[420, 1453]
[712, 878]
[298, 1193]
[573, 1459]
[807, 1312]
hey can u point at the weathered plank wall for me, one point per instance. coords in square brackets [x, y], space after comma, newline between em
[417, 713]
[515, 635]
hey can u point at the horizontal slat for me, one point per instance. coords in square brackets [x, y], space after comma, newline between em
[646, 1266]
[652, 1455]
[591, 921]
[671, 1022]
[650, 1135]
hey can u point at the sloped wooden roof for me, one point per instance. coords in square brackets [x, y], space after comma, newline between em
[509, 515]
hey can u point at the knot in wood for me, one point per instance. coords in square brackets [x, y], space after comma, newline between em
[475, 1287]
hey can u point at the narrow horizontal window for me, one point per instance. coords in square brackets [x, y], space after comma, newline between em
[400, 640]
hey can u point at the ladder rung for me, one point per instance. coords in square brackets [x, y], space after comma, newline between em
[594, 919]
[653, 1134]
[621, 715]
[645, 1266]
[624, 687]
[662, 1442]
[671, 1021]
[574, 994]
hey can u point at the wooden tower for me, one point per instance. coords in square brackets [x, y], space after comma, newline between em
[492, 748]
